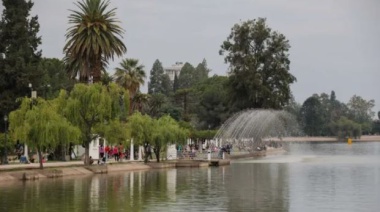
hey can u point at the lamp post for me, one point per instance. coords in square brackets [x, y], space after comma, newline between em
[5, 144]
[31, 89]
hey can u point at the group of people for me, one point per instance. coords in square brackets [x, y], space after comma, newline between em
[107, 152]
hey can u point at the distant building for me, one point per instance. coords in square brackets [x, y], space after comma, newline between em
[174, 70]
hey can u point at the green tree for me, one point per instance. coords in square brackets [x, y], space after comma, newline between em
[212, 106]
[311, 114]
[345, 127]
[92, 108]
[360, 111]
[54, 79]
[259, 66]
[38, 123]
[19, 54]
[92, 39]
[201, 71]
[155, 79]
[156, 103]
[131, 76]
[142, 127]
[294, 108]
[175, 83]
[186, 76]
[167, 131]
[185, 99]
[140, 102]
[106, 78]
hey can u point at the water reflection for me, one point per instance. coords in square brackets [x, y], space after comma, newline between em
[312, 177]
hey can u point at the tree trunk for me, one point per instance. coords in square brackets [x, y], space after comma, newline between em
[87, 153]
[97, 71]
[157, 150]
[146, 154]
[40, 156]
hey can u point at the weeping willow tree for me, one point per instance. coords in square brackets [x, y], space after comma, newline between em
[141, 127]
[97, 110]
[166, 132]
[38, 123]
[157, 133]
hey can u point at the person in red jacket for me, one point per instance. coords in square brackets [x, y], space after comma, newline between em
[116, 153]
[107, 151]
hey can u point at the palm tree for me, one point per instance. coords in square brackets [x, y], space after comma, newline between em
[140, 102]
[131, 76]
[92, 39]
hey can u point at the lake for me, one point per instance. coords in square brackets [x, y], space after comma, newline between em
[308, 177]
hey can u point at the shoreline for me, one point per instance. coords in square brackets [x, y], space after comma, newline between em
[31, 172]
[325, 139]
[22, 172]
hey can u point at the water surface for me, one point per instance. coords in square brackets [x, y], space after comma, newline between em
[310, 177]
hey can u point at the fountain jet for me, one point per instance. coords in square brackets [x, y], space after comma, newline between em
[248, 129]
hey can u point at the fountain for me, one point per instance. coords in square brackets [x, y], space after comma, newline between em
[250, 128]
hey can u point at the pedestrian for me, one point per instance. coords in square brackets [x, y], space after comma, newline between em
[116, 153]
[101, 152]
[120, 150]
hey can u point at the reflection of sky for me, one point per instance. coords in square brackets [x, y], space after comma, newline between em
[348, 181]
[338, 178]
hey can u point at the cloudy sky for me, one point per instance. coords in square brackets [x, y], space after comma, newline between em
[335, 43]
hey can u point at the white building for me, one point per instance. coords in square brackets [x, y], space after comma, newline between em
[174, 70]
[94, 148]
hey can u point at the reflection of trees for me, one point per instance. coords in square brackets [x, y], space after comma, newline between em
[237, 187]
[261, 187]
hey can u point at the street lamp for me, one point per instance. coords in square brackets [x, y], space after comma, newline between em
[31, 89]
[5, 145]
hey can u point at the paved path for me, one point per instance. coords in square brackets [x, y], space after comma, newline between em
[14, 166]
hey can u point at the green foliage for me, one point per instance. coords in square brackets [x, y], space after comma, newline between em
[175, 83]
[92, 108]
[344, 128]
[184, 98]
[141, 127]
[376, 127]
[201, 72]
[203, 134]
[159, 82]
[311, 113]
[186, 76]
[55, 78]
[259, 66]
[158, 133]
[115, 132]
[156, 103]
[212, 106]
[106, 78]
[167, 131]
[92, 39]
[360, 111]
[131, 76]
[19, 54]
[38, 124]
[167, 85]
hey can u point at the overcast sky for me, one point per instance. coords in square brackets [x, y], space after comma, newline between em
[334, 43]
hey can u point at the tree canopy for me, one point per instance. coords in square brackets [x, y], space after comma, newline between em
[92, 39]
[259, 74]
[19, 54]
[93, 108]
[38, 124]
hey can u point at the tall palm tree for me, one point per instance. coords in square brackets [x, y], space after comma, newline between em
[92, 39]
[131, 76]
